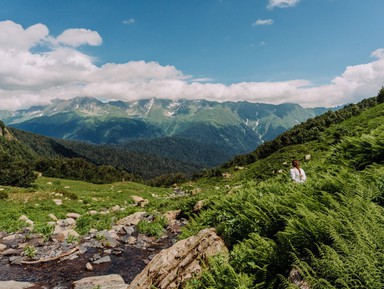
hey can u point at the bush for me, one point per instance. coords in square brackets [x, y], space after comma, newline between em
[68, 194]
[155, 228]
[3, 195]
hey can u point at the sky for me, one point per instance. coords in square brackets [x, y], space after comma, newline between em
[311, 52]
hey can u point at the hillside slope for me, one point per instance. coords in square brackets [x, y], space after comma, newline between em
[140, 164]
[325, 233]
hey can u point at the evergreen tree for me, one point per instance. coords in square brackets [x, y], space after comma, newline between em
[380, 96]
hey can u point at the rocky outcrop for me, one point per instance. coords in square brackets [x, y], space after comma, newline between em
[179, 263]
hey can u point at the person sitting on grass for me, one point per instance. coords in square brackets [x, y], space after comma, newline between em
[297, 173]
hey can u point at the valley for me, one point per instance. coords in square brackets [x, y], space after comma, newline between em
[276, 232]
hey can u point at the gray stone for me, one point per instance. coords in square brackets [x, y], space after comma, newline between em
[73, 215]
[12, 238]
[16, 260]
[9, 252]
[104, 259]
[89, 267]
[23, 218]
[198, 206]
[15, 285]
[2, 247]
[70, 222]
[133, 219]
[58, 202]
[115, 208]
[139, 201]
[129, 230]
[113, 281]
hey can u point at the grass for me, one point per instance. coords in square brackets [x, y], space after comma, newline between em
[77, 197]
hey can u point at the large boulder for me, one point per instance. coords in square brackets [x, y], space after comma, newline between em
[179, 263]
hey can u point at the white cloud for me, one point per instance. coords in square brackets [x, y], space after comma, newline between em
[282, 3]
[263, 22]
[28, 77]
[78, 37]
[129, 21]
[13, 36]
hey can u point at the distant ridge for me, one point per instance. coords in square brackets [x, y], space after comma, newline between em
[232, 127]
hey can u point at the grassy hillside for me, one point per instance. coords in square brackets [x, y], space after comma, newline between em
[325, 233]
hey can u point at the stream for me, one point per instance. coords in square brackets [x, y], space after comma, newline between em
[61, 274]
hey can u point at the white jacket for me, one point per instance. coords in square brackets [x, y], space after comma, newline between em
[296, 177]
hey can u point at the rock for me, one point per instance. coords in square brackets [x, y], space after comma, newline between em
[13, 238]
[92, 212]
[131, 240]
[139, 201]
[115, 208]
[73, 215]
[226, 175]
[175, 265]
[70, 232]
[58, 202]
[16, 260]
[172, 215]
[104, 259]
[23, 218]
[174, 226]
[295, 277]
[2, 247]
[58, 237]
[89, 267]
[129, 230]
[29, 223]
[133, 219]
[198, 206]
[15, 285]
[9, 252]
[196, 191]
[113, 281]
[70, 222]
[239, 168]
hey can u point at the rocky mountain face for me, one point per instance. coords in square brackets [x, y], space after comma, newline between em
[235, 127]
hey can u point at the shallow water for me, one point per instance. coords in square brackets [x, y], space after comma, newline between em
[61, 274]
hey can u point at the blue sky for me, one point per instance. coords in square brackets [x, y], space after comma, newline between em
[312, 52]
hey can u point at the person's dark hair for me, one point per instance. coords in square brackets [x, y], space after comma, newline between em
[296, 164]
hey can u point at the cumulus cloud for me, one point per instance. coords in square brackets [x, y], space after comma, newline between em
[29, 77]
[14, 36]
[263, 22]
[282, 3]
[78, 37]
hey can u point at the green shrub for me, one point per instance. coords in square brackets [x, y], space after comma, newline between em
[3, 195]
[98, 222]
[220, 275]
[68, 194]
[155, 228]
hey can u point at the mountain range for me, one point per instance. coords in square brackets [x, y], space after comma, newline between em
[160, 125]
